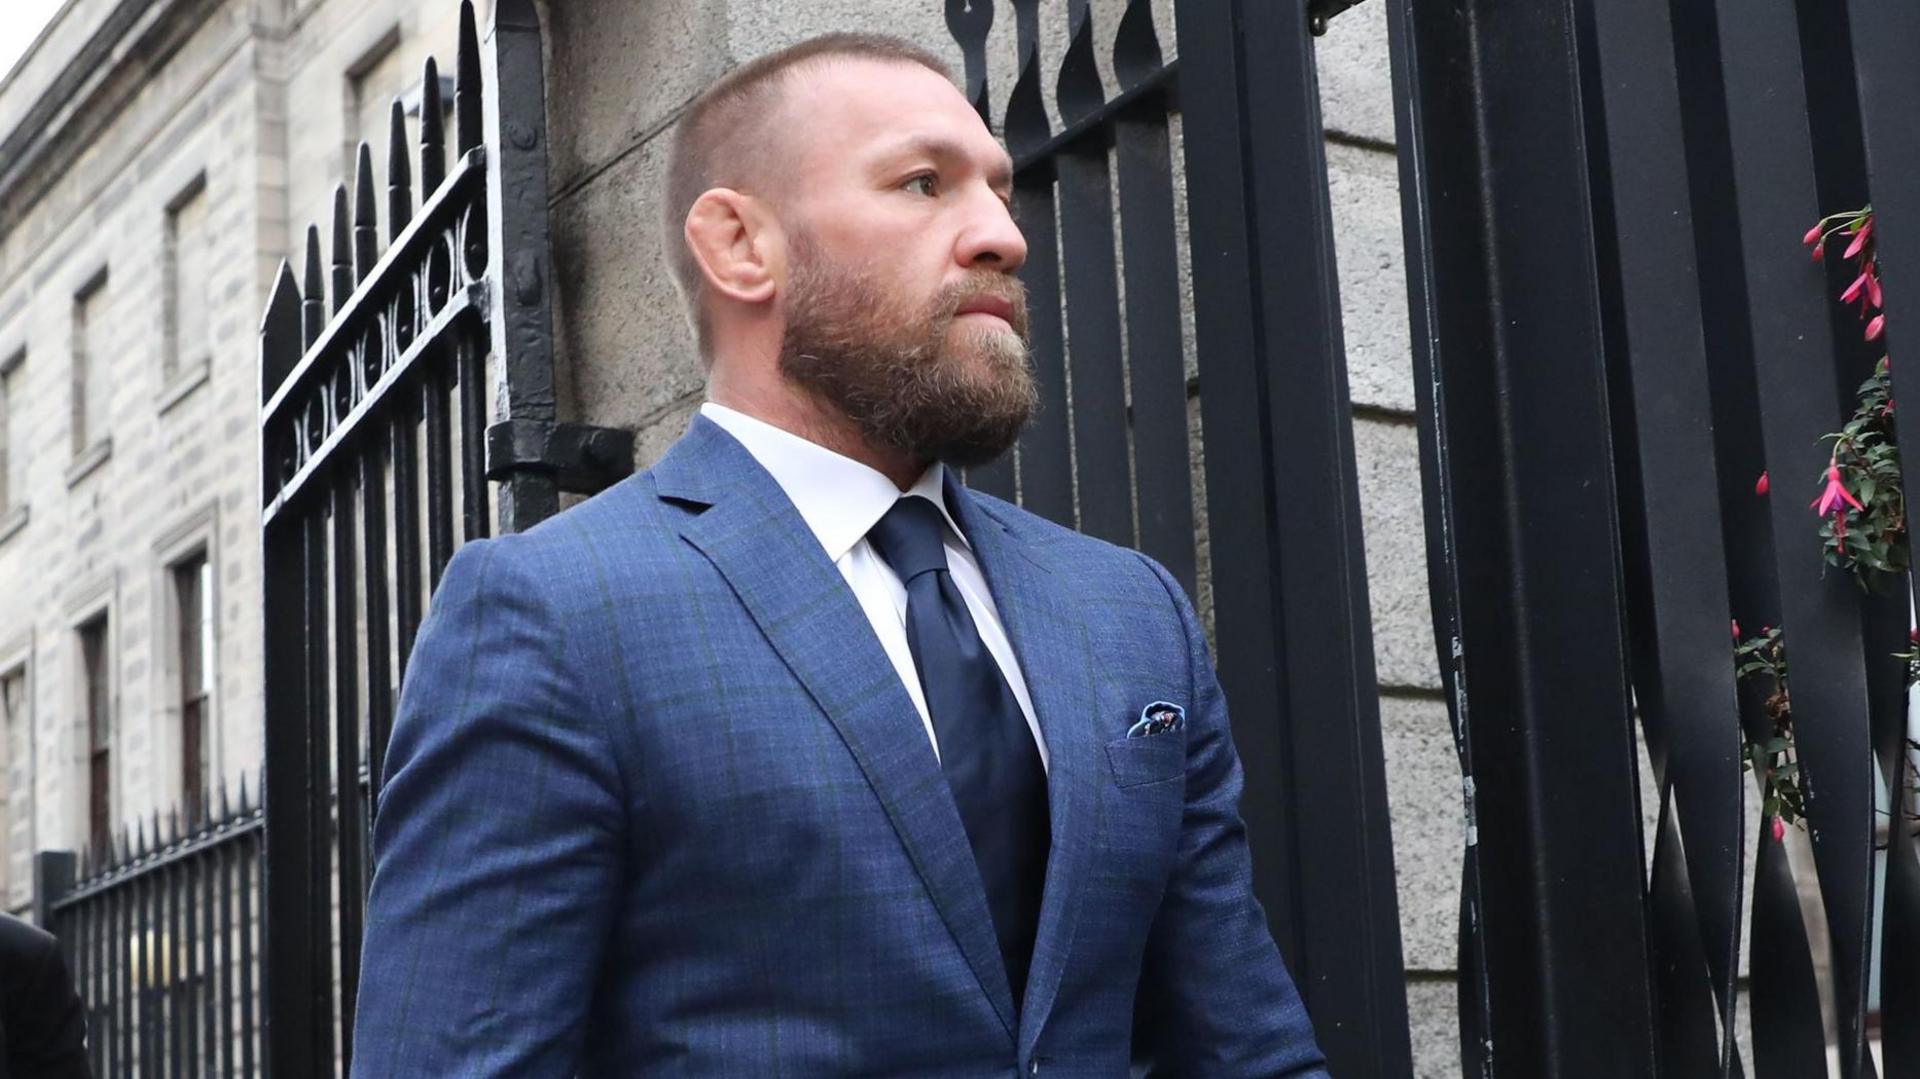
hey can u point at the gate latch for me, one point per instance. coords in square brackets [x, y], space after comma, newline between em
[583, 459]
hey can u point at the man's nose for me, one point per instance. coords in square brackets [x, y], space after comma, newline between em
[990, 237]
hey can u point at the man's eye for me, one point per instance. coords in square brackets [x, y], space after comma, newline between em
[927, 179]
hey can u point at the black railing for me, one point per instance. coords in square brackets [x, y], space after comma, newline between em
[1618, 331]
[1259, 400]
[162, 933]
[376, 421]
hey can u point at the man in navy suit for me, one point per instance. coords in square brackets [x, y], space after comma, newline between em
[791, 755]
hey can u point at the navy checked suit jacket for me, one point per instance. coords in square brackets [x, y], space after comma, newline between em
[656, 803]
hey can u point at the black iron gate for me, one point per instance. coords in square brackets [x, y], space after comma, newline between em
[1627, 365]
[375, 420]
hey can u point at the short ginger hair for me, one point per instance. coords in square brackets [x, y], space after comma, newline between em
[724, 137]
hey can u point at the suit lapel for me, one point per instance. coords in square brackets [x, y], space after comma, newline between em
[1056, 658]
[758, 541]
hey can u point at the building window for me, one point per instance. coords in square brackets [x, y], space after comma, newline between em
[15, 775]
[13, 489]
[185, 267]
[97, 700]
[89, 365]
[193, 608]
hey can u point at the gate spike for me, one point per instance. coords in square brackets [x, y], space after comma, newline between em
[399, 176]
[1136, 45]
[313, 309]
[139, 839]
[466, 88]
[342, 250]
[280, 347]
[173, 825]
[366, 217]
[157, 842]
[243, 792]
[206, 807]
[433, 151]
[226, 810]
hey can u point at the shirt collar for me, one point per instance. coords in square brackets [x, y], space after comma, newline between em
[838, 497]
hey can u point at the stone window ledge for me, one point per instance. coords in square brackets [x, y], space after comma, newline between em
[89, 459]
[12, 521]
[184, 382]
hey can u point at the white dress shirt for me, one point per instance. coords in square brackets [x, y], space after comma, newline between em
[841, 499]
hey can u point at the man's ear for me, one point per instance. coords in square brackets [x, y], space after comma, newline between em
[737, 243]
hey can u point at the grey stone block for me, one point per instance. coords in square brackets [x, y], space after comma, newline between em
[1356, 85]
[623, 339]
[621, 71]
[1387, 460]
[1363, 189]
[1434, 1011]
[1423, 795]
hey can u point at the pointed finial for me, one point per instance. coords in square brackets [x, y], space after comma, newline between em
[243, 792]
[342, 250]
[280, 346]
[173, 825]
[1136, 45]
[433, 152]
[968, 21]
[226, 809]
[366, 223]
[1078, 88]
[466, 89]
[313, 308]
[399, 175]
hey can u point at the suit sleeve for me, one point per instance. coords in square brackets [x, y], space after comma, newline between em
[1215, 998]
[497, 842]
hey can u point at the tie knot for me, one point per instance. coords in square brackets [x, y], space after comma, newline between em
[911, 537]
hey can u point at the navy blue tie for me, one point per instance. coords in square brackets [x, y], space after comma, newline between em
[987, 750]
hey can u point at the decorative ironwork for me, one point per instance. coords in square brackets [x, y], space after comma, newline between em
[375, 419]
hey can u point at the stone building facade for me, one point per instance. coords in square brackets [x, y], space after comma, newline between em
[159, 157]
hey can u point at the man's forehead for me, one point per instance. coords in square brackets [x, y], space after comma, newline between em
[878, 106]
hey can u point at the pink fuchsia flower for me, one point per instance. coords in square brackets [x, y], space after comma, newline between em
[1860, 239]
[1875, 326]
[1779, 829]
[1873, 289]
[1835, 493]
[1736, 628]
[1913, 635]
[1814, 233]
[1854, 290]
[1760, 486]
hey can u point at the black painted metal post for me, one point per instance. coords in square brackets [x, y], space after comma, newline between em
[1291, 615]
[520, 285]
[1517, 475]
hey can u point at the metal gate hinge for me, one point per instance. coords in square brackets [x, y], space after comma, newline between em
[583, 459]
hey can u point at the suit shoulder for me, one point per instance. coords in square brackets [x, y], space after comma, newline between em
[623, 539]
[1069, 547]
[23, 942]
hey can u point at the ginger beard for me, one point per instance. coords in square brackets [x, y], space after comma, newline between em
[906, 375]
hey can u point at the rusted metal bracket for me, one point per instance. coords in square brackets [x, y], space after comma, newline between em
[581, 458]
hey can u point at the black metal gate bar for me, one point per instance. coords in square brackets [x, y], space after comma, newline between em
[1507, 355]
[1770, 158]
[1675, 568]
[1886, 43]
[1291, 617]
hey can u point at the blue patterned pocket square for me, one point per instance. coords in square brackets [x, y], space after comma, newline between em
[1158, 718]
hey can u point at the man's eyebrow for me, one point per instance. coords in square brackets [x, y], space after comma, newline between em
[1000, 175]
